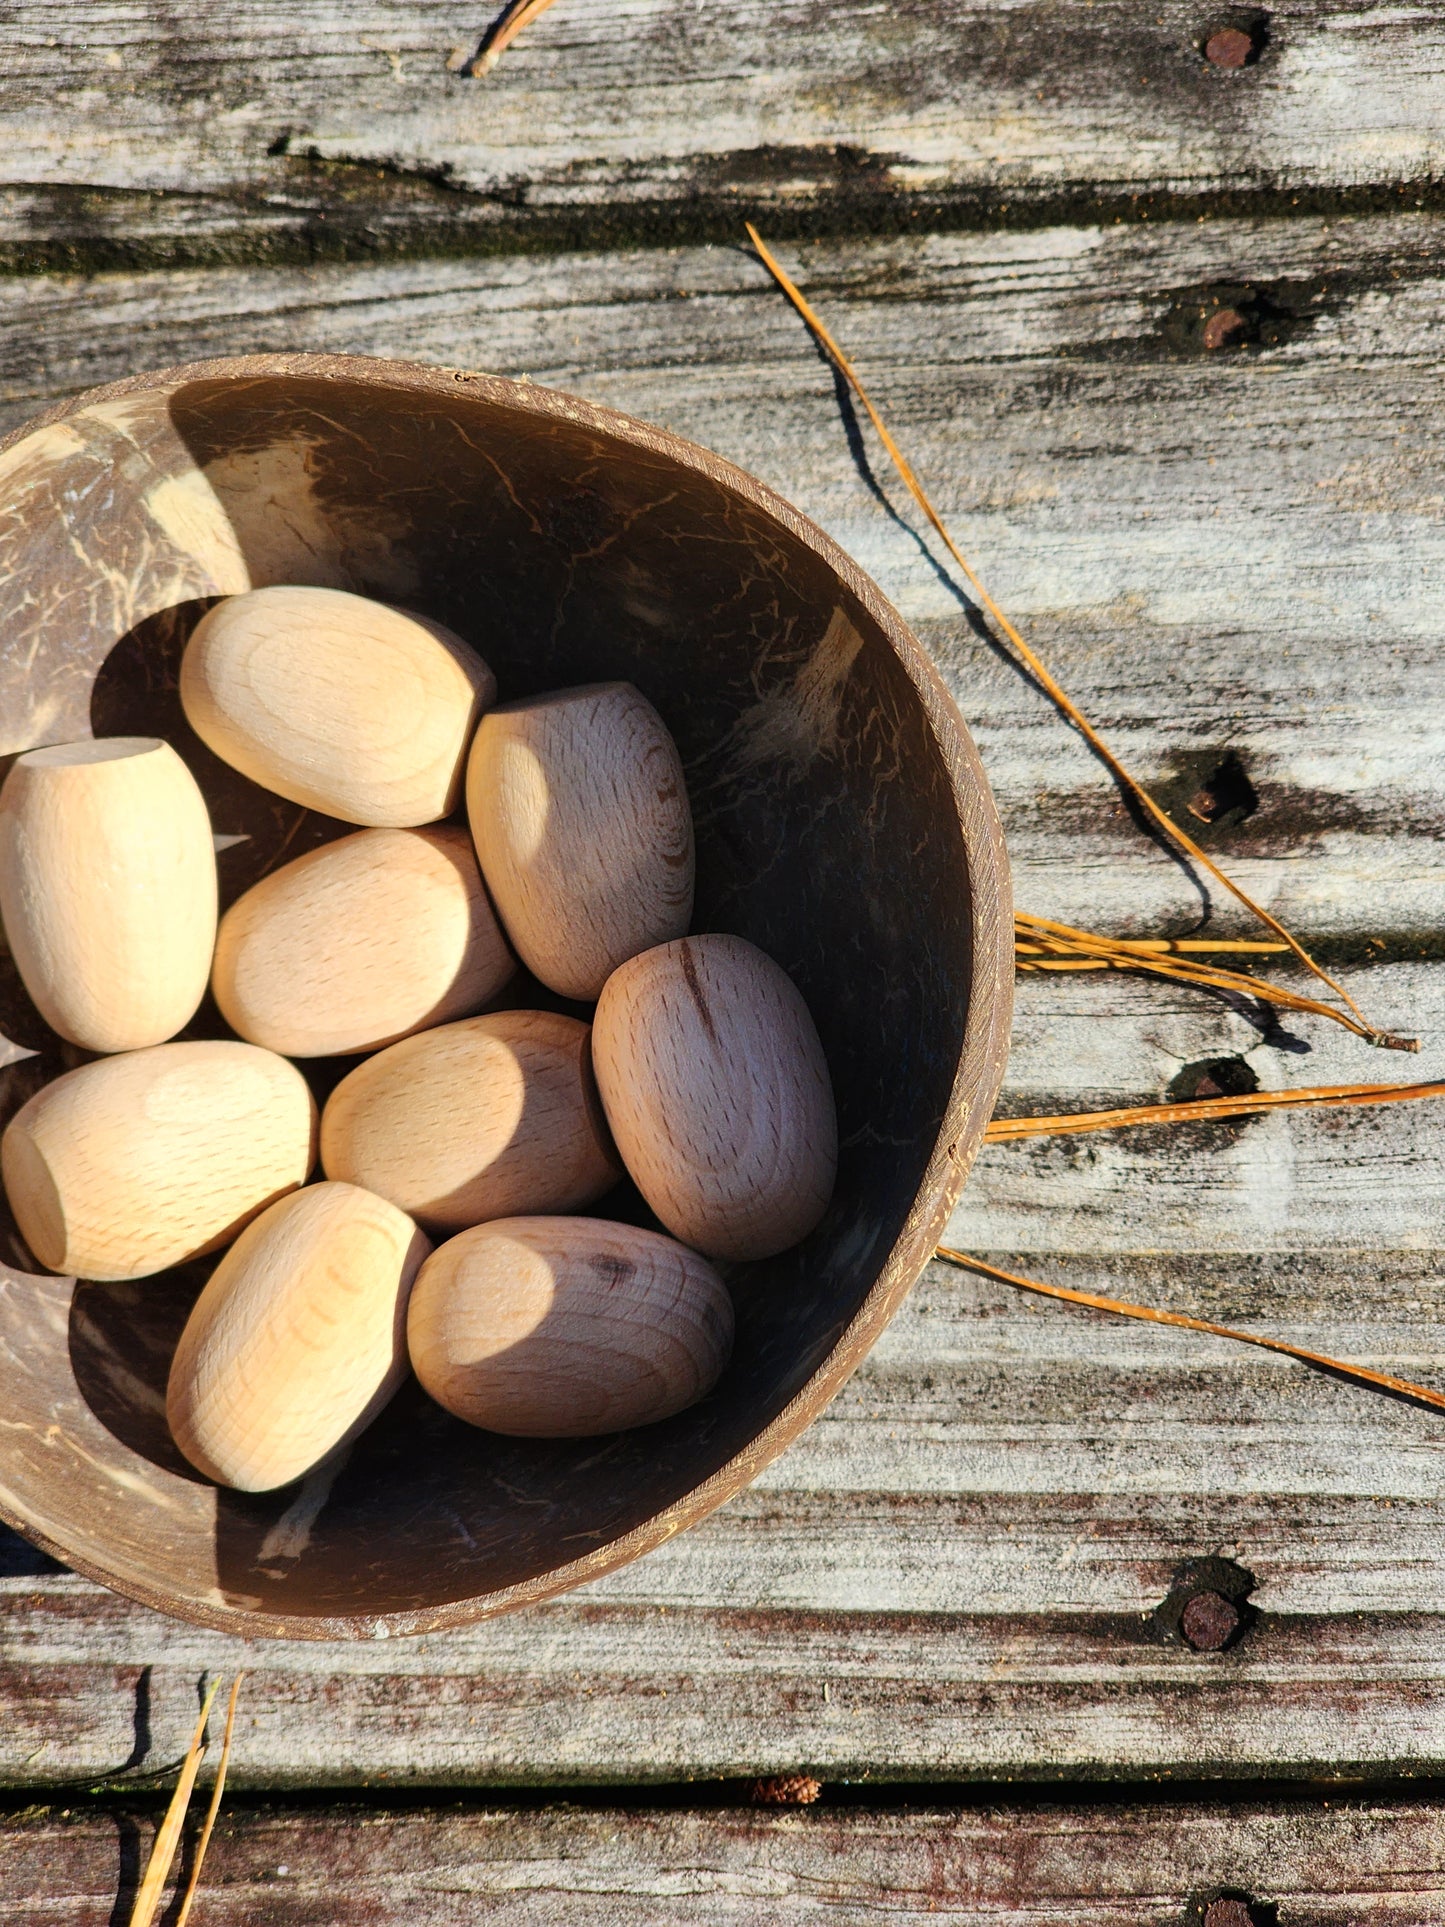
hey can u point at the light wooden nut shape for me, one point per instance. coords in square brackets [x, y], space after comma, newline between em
[567, 1327]
[359, 943]
[299, 1338]
[338, 702]
[108, 889]
[581, 819]
[134, 1163]
[714, 1082]
[481, 1119]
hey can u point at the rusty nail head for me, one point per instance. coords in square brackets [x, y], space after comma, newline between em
[785, 1790]
[1224, 328]
[1230, 47]
[1209, 1622]
[1228, 1913]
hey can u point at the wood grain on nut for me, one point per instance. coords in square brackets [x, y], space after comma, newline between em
[581, 819]
[298, 1339]
[359, 943]
[141, 1161]
[486, 1118]
[344, 704]
[717, 1091]
[567, 1327]
[108, 889]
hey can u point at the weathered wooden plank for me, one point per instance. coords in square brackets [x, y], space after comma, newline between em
[1115, 1866]
[1209, 549]
[963, 1549]
[953, 1573]
[139, 133]
[582, 1692]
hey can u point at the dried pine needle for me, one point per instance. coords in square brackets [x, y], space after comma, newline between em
[163, 1852]
[1041, 945]
[1006, 1129]
[216, 1791]
[1036, 667]
[519, 15]
[1360, 1373]
[1028, 930]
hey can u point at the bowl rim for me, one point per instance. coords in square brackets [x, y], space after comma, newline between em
[977, 1076]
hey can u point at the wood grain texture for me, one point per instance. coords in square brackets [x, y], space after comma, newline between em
[108, 889]
[298, 1339]
[137, 136]
[487, 1118]
[966, 1548]
[1133, 1865]
[359, 943]
[130, 1164]
[567, 1327]
[579, 809]
[337, 702]
[715, 1085]
[1243, 527]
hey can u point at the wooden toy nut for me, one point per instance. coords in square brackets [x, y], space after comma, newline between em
[134, 1163]
[482, 1119]
[343, 704]
[715, 1085]
[361, 942]
[299, 1338]
[581, 820]
[108, 889]
[567, 1327]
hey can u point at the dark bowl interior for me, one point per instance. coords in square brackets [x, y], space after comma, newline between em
[842, 823]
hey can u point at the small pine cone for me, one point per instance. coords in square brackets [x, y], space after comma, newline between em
[785, 1790]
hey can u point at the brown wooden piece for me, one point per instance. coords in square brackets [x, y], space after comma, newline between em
[488, 1118]
[299, 1338]
[108, 889]
[359, 943]
[580, 813]
[717, 1091]
[337, 701]
[154, 1157]
[567, 1327]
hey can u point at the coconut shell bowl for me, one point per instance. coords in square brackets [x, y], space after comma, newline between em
[843, 823]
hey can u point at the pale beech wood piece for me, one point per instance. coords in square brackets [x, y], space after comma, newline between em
[581, 819]
[717, 1091]
[567, 1327]
[359, 943]
[299, 1338]
[134, 1163]
[344, 704]
[108, 889]
[486, 1118]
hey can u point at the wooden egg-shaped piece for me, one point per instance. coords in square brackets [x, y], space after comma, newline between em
[137, 1162]
[298, 1339]
[581, 819]
[487, 1118]
[717, 1091]
[360, 942]
[567, 1327]
[108, 889]
[338, 702]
